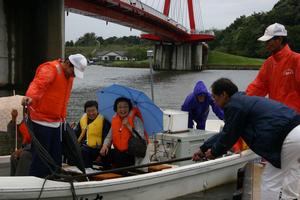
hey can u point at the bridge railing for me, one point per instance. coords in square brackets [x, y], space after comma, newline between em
[140, 5]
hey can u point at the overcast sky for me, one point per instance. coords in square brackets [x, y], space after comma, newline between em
[215, 14]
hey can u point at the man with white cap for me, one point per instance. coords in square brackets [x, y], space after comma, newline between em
[279, 76]
[47, 98]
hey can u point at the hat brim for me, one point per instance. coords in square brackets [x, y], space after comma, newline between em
[265, 38]
[78, 73]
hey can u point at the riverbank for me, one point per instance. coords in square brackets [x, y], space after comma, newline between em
[232, 67]
[216, 60]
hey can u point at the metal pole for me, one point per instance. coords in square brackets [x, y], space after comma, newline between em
[150, 57]
[16, 128]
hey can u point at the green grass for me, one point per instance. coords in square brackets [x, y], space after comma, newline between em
[129, 64]
[219, 58]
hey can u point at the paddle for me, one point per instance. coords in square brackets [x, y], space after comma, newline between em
[133, 167]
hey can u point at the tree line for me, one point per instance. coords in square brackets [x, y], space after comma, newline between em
[89, 44]
[240, 38]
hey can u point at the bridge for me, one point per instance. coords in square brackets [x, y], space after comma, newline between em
[32, 32]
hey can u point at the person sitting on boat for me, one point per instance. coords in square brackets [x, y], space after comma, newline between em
[270, 129]
[126, 120]
[197, 105]
[91, 131]
[20, 159]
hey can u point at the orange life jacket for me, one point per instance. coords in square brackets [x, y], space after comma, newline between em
[239, 146]
[50, 91]
[23, 129]
[121, 134]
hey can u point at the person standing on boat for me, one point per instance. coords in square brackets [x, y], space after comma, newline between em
[197, 105]
[126, 120]
[270, 129]
[20, 159]
[91, 131]
[279, 76]
[47, 97]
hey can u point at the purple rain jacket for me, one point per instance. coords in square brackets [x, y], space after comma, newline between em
[198, 111]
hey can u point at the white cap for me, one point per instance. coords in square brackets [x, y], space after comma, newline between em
[273, 30]
[80, 63]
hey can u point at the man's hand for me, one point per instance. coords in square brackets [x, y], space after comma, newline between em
[73, 125]
[26, 101]
[209, 155]
[198, 155]
[14, 115]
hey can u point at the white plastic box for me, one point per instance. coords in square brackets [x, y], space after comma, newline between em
[175, 120]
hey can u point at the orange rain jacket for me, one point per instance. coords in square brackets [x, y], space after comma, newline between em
[50, 91]
[279, 77]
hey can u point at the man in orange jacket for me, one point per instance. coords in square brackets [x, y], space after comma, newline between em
[47, 96]
[279, 76]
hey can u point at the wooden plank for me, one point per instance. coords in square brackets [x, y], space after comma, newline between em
[159, 167]
[101, 177]
[256, 174]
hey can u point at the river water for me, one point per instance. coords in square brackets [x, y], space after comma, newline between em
[170, 87]
[170, 90]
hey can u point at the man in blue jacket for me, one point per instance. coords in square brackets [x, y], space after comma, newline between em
[197, 104]
[270, 129]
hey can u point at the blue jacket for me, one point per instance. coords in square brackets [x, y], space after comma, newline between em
[198, 111]
[261, 122]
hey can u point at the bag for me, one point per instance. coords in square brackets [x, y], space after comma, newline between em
[137, 146]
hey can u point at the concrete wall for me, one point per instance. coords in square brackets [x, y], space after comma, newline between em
[3, 48]
[35, 34]
[186, 56]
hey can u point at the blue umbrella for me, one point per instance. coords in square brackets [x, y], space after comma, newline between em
[152, 115]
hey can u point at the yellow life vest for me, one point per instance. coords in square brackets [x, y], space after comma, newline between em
[93, 131]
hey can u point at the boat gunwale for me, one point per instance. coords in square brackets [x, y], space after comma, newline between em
[146, 179]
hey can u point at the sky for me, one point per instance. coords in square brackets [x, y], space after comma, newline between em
[215, 14]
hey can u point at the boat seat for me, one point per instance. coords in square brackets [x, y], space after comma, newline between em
[156, 168]
[105, 176]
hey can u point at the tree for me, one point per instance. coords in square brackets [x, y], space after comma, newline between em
[88, 39]
[240, 37]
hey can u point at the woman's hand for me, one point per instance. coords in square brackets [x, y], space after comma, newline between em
[126, 124]
[104, 150]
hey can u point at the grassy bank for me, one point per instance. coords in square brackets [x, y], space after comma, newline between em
[220, 60]
[216, 59]
[127, 64]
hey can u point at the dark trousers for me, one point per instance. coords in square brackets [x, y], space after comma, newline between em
[89, 155]
[121, 159]
[50, 140]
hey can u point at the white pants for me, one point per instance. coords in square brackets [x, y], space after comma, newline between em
[284, 183]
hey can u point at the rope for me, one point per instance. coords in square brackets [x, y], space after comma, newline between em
[41, 191]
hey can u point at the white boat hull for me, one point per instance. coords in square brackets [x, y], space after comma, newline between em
[166, 184]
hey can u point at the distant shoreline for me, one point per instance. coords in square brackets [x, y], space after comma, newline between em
[233, 67]
[208, 67]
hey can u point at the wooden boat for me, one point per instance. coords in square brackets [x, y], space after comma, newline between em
[179, 179]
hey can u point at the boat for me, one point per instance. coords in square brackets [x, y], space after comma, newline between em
[177, 179]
